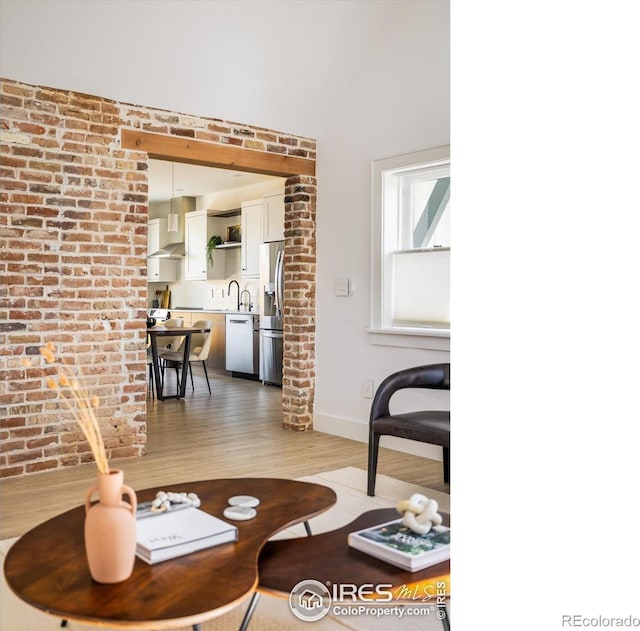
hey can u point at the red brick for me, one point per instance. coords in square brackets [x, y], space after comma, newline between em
[42, 442]
[9, 99]
[43, 465]
[10, 472]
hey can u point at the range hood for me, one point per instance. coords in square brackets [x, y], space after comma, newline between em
[176, 249]
[169, 251]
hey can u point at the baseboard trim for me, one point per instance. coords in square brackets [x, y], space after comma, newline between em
[356, 430]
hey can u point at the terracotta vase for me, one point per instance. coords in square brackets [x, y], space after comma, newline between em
[110, 529]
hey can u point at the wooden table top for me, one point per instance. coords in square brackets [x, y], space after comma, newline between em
[47, 566]
[327, 558]
[162, 330]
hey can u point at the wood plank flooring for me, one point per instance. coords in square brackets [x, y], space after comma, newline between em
[236, 432]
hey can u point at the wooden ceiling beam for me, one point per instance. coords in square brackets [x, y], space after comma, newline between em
[193, 151]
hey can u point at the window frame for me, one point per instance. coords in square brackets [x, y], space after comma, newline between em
[434, 337]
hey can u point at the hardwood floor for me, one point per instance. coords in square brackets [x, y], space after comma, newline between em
[236, 432]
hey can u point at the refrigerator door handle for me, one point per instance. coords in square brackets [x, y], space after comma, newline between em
[279, 292]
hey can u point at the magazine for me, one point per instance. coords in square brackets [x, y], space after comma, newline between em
[175, 533]
[396, 544]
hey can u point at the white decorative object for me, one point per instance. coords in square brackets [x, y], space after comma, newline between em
[419, 513]
[244, 500]
[167, 501]
[239, 513]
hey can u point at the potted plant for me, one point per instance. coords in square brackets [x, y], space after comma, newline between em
[213, 242]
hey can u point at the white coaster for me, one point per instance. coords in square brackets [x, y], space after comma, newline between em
[239, 513]
[244, 500]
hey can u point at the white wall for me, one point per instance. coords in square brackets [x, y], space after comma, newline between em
[397, 103]
[366, 79]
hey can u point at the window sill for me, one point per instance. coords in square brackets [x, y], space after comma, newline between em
[424, 338]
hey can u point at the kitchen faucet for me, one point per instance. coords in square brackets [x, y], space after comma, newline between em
[246, 291]
[229, 292]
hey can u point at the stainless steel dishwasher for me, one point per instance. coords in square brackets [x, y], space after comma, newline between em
[242, 337]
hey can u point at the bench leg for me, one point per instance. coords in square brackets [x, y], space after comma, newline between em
[374, 442]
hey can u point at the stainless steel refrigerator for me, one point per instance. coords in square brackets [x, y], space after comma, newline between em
[271, 286]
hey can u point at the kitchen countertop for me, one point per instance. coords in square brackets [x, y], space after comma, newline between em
[223, 311]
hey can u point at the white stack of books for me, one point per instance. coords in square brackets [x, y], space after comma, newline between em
[396, 544]
[175, 533]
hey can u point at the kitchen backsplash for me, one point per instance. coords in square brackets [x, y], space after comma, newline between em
[211, 294]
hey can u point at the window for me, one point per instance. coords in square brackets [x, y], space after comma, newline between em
[411, 243]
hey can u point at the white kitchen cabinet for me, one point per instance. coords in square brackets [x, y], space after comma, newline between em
[159, 270]
[199, 228]
[251, 238]
[273, 218]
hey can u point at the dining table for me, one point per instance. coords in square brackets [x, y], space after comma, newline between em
[162, 330]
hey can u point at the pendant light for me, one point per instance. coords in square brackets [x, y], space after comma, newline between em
[172, 217]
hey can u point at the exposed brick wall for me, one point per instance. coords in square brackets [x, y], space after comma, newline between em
[73, 228]
[298, 370]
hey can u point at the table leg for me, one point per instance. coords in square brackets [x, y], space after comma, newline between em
[250, 609]
[256, 595]
[185, 366]
[156, 367]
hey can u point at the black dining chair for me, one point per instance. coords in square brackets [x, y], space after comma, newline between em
[426, 426]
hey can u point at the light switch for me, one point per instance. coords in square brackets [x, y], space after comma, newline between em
[343, 287]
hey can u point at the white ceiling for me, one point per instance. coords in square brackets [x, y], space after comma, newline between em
[193, 180]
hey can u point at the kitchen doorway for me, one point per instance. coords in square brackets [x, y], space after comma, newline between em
[299, 302]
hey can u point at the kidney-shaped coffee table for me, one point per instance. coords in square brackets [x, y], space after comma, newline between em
[47, 566]
[328, 559]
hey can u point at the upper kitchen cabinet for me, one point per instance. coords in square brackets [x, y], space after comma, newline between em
[273, 218]
[251, 238]
[159, 269]
[199, 228]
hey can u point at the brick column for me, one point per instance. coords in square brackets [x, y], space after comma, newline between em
[298, 371]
